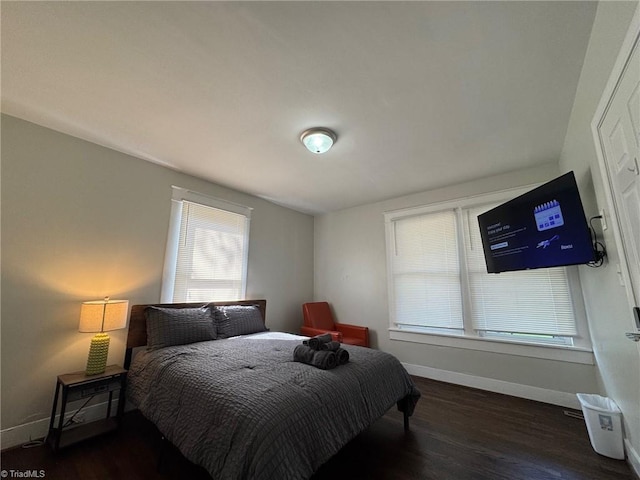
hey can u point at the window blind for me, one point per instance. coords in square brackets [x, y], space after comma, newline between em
[211, 254]
[526, 302]
[426, 272]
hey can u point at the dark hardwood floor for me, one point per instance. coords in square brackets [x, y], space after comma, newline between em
[456, 433]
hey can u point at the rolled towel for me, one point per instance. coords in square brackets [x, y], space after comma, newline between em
[343, 356]
[323, 359]
[317, 341]
[304, 354]
[332, 346]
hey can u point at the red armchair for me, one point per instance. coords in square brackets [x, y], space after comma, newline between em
[318, 320]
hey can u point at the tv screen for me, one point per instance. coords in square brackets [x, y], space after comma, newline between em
[545, 227]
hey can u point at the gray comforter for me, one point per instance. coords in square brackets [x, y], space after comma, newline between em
[243, 409]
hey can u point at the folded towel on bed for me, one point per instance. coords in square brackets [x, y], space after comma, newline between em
[342, 355]
[331, 346]
[323, 359]
[317, 341]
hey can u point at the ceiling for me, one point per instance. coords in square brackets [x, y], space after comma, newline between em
[421, 94]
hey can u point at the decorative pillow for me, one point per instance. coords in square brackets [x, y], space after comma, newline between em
[238, 320]
[178, 326]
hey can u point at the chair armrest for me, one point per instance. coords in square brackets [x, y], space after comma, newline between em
[353, 330]
[312, 332]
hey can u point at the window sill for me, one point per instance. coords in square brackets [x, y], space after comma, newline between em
[508, 347]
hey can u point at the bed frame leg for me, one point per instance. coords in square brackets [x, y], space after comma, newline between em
[406, 421]
[163, 449]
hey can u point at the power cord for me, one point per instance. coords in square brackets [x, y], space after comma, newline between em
[37, 443]
[599, 251]
[70, 419]
[34, 443]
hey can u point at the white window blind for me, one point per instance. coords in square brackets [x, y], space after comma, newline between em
[207, 250]
[439, 282]
[532, 302]
[426, 272]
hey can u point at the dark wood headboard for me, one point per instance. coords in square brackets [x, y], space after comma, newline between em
[137, 335]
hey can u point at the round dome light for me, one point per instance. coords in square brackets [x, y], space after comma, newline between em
[318, 140]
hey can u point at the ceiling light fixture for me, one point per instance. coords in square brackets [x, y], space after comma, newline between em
[318, 139]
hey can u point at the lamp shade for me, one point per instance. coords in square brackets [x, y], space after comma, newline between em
[103, 315]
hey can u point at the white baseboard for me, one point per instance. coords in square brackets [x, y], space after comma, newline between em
[554, 397]
[633, 459]
[21, 434]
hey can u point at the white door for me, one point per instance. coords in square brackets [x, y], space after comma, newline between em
[616, 129]
[619, 135]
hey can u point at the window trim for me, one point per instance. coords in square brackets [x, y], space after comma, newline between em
[572, 354]
[580, 352]
[178, 195]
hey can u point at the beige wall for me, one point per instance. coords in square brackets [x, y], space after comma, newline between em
[80, 221]
[350, 273]
[608, 312]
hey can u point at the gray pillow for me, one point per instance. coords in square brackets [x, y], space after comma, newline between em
[178, 326]
[238, 320]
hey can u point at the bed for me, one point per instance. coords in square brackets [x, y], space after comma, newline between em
[239, 406]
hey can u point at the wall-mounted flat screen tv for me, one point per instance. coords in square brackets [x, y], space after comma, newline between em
[545, 227]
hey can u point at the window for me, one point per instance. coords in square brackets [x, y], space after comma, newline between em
[207, 249]
[533, 305]
[439, 285]
[426, 273]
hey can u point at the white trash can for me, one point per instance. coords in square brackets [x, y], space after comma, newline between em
[604, 424]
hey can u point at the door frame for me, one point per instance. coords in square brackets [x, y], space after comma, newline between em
[631, 39]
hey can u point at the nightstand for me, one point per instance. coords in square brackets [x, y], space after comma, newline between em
[79, 386]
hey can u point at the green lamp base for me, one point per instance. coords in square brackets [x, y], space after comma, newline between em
[97, 361]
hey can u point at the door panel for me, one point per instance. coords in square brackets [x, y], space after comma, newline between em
[620, 131]
[634, 111]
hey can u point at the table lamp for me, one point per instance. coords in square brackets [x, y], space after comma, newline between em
[101, 316]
